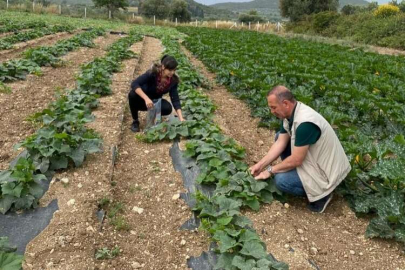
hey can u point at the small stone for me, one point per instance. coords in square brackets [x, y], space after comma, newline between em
[86, 173]
[90, 229]
[146, 152]
[71, 202]
[313, 250]
[260, 143]
[125, 153]
[286, 205]
[287, 246]
[76, 245]
[65, 180]
[136, 265]
[176, 196]
[300, 231]
[352, 252]
[137, 210]
[75, 174]
[183, 242]
[133, 232]
[52, 250]
[50, 264]
[79, 185]
[302, 239]
[361, 253]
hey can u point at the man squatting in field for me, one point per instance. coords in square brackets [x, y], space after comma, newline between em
[313, 160]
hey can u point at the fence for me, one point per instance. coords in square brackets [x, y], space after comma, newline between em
[131, 16]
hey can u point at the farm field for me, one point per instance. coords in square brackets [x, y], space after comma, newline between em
[123, 200]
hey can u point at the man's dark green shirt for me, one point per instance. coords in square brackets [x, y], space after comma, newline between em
[307, 133]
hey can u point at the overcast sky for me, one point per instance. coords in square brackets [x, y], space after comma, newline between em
[211, 2]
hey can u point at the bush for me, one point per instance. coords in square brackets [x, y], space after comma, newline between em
[323, 20]
[246, 18]
[386, 10]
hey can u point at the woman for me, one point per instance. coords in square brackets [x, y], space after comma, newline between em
[153, 84]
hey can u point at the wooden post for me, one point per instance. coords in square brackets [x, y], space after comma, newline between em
[249, 25]
[196, 22]
[154, 20]
[133, 15]
[60, 9]
[242, 24]
[33, 6]
[85, 12]
[216, 24]
[176, 21]
[7, 4]
[109, 14]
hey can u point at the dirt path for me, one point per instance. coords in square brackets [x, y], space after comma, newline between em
[146, 185]
[71, 239]
[48, 40]
[35, 93]
[291, 231]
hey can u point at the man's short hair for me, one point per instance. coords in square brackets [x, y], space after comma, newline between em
[282, 93]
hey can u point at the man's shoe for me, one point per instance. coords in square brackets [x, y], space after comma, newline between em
[320, 205]
[135, 126]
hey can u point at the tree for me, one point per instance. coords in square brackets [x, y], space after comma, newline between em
[296, 9]
[179, 10]
[111, 5]
[251, 16]
[158, 8]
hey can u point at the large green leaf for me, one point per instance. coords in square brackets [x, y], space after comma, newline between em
[5, 203]
[242, 263]
[254, 248]
[10, 261]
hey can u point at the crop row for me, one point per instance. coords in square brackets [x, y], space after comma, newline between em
[220, 161]
[62, 138]
[7, 25]
[35, 58]
[7, 42]
[361, 94]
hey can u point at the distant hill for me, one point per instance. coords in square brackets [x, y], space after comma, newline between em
[270, 8]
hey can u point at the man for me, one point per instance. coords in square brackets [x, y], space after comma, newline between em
[313, 160]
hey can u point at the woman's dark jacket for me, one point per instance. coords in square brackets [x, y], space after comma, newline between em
[147, 82]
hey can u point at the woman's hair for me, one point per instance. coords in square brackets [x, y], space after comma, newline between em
[169, 62]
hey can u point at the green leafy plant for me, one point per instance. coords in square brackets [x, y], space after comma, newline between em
[20, 186]
[105, 253]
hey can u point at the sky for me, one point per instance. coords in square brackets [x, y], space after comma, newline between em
[211, 2]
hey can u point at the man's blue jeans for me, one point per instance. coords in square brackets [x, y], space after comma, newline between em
[288, 182]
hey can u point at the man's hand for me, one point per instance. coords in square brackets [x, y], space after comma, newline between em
[149, 103]
[263, 175]
[255, 169]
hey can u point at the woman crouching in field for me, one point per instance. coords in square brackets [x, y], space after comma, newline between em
[153, 84]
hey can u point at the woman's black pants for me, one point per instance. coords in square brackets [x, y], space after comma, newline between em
[136, 104]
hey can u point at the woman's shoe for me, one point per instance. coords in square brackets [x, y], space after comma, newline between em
[135, 126]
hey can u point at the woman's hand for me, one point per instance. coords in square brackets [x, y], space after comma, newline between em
[149, 103]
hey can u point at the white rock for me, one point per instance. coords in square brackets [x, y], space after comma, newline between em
[183, 242]
[287, 246]
[286, 205]
[352, 252]
[65, 180]
[76, 174]
[125, 153]
[90, 229]
[313, 250]
[71, 202]
[300, 231]
[133, 232]
[146, 152]
[361, 253]
[86, 173]
[137, 210]
[176, 196]
[260, 142]
[79, 185]
[136, 265]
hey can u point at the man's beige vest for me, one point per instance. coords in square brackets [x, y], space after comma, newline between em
[326, 164]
